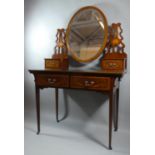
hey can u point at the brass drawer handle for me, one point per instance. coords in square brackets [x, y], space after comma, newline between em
[51, 81]
[89, 83]
[112, 64]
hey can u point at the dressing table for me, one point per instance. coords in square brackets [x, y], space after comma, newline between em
[86, 38]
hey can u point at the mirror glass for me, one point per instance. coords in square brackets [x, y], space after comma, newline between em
[86, 34]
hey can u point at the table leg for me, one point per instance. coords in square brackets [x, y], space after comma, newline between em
[38, 109]
[110, 118]
[56, 99]
[116, 109]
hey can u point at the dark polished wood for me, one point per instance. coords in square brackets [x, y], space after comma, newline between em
[38, 108]
[113, 64]
[90, 82]
[56, 101]
[101, 81]
[117, 110]
[110, 118]
[59, 59]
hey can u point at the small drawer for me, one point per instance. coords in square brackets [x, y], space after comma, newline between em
[113, 64]
[94, 83]
[52, 80]
[52, 63]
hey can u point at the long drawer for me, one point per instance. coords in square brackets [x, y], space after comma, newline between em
[52, 80]
[86, 82]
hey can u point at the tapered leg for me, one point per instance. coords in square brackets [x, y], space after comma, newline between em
[38, 108]
[56, 99]
[116, 110]
[110, 118]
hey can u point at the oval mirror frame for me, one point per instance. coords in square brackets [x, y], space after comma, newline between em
[104, 41]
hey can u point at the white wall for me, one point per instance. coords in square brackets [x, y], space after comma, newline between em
[42, 18]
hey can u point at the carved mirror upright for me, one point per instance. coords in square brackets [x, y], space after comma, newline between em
[88, 35]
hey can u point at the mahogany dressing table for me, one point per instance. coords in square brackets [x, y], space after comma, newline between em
[85, 39]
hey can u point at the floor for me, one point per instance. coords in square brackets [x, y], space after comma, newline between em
[71, 137]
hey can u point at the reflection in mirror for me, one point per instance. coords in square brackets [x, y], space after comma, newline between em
[87, 34]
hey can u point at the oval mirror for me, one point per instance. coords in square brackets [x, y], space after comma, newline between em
[86, 34]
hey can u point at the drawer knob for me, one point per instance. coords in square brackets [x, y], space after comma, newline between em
[92, 82]
[89, 83]
[112, 64]
[52, 81]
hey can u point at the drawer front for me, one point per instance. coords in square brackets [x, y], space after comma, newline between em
[52, 63]
[52, 80]
[94, 83]
[112, 64]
